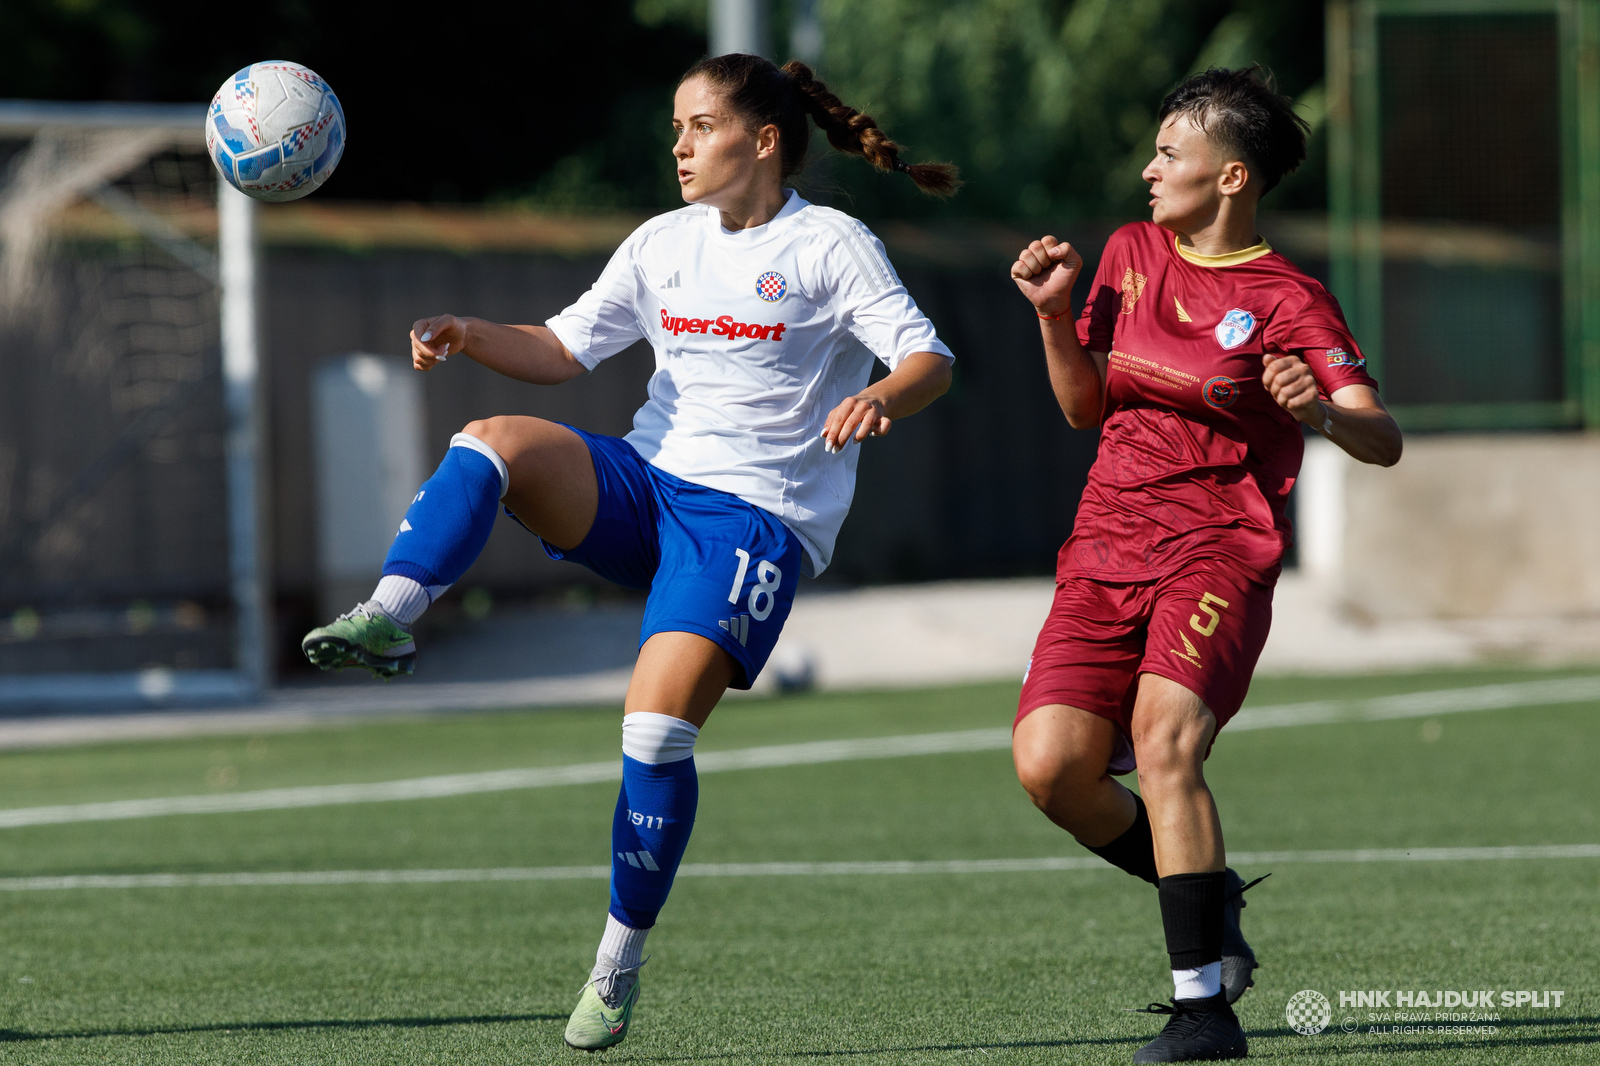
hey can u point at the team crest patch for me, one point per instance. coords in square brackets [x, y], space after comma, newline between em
[771, 286]
[1132, 286]
[1235, 328]
[1220, 392]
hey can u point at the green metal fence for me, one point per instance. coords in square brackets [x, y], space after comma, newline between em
[1464, 205]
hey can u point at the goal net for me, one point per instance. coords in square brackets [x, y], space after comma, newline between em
[129, 431]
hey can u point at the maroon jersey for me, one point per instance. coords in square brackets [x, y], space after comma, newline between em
[1196, 458]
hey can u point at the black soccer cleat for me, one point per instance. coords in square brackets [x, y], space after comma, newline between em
[1199, 1030]
[1238, 961]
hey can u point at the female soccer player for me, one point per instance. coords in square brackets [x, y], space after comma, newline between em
[763, 310]
[1200, 355]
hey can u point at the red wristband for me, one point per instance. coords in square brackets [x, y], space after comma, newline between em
[1052, 318]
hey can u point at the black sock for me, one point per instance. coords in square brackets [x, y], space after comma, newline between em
[1191, 914]
[1135, 850]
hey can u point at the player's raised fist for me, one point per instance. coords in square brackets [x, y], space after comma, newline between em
[1292, 385]
[433, 339]
[1045, 271]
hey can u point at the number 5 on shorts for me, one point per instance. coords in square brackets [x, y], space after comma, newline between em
[1205, 605]
[768, 578]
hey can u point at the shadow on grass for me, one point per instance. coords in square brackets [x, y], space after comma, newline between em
[21, 1035]
[987, 1045]
[1342, 1048]
[1396, 1044]
[1423, 1045]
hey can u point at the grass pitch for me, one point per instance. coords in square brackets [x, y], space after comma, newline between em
[1031, 967]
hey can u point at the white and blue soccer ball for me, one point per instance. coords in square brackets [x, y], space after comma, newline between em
[275, 131]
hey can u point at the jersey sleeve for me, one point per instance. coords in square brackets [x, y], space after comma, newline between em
[1097, 323]
[604, 320]
[1316, 332]
[870, 299]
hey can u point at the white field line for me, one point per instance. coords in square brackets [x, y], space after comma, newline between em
[1421, 704]
[274, 799]
[315, 878]
[1412, 705]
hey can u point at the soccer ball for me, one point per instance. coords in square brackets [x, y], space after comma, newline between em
[275, 131]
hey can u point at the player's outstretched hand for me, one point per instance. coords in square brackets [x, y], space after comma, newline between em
[857, 418]
[1045, 272]
[433, 339]
[1292, 385]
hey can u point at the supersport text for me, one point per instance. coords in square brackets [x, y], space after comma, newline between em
[723, 326]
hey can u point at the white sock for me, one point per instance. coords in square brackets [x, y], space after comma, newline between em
[403, 599]
[625, 946]
[1201, 982]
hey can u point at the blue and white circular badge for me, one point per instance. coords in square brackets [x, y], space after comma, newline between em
[771, 286]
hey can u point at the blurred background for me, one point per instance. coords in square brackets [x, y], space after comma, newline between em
[208, 431]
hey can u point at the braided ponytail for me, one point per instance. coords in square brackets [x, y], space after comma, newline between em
[783, 97]
[852, 131]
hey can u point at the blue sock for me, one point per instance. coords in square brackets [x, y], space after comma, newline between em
[655, 815]
[450, 520]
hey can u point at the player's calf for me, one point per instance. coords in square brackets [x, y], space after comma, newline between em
[444, 530]
[654, 817]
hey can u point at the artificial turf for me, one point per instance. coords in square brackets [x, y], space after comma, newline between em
[1029, 967]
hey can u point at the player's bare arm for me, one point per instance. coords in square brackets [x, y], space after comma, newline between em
[527, 353]
[1353, 417]
[1045, 272]
[920, 379]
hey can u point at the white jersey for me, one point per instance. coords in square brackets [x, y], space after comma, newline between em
[758, 335]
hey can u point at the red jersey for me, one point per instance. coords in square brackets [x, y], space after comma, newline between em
[1196, 459]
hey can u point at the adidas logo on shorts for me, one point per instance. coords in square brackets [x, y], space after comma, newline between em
[739, 626]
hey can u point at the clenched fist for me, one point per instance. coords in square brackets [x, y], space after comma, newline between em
[1292, 385]
[1045, 271]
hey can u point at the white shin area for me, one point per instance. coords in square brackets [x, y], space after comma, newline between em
[657, 738]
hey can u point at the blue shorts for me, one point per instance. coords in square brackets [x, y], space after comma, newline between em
[714, 565]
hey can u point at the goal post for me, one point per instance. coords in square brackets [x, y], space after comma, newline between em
[66, 154]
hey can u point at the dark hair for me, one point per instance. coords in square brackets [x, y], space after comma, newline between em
[765, 94]
[1243, 112]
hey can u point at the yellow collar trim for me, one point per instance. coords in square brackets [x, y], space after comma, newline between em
[1228, 259]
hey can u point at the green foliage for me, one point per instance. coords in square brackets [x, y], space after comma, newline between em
[688, 13]
[1047, 107]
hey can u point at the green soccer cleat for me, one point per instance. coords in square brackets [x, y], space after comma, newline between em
[600, 1020]
[365, 637]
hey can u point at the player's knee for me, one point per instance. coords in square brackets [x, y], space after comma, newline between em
[1174, 751]
[1052, 779]
[492, 431]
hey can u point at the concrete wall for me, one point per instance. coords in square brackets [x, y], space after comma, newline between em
[1465, 527]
